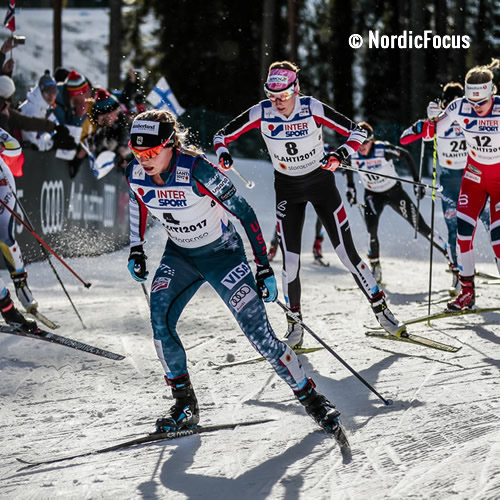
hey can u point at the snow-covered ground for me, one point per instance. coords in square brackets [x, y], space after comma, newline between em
[439, 440]
[85, 34]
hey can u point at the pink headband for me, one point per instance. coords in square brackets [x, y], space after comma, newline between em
[280, 79]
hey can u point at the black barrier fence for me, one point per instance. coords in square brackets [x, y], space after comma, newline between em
[79, 216]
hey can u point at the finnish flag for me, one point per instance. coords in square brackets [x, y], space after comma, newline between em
[162, 97]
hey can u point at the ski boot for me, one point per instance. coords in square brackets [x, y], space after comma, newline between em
[23, 292]
[185, 413]
[317, 251]
[376, 269]
[295, 333]
[319, 408]
[273, 248]
[14, 318]
[385, 317]
[454, 289]
[467, 297]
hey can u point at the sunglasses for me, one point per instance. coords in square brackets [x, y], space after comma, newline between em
[283, 96]
[476, 104]
[147, 154]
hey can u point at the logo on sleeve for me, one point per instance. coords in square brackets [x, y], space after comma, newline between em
[235, 275]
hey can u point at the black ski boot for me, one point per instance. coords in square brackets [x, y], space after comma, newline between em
[14, 318]
[319, 408]
[185, 413]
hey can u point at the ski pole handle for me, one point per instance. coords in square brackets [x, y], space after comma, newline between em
[249, 184]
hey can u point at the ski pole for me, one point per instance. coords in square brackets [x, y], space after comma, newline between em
[296, 317]
[433, 204]
[85, 284]
[146, 294]
[415, 183]
[2, 164]
[422, 151]
[87, 150]
[249, 184]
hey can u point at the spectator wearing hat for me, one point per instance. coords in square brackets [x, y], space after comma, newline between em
[71, 110]
[12, 119]
[108, 127]
[71, 106]
[60, 74]
[105, 109]
[40, 103]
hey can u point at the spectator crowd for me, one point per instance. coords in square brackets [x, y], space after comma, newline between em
[64, 112]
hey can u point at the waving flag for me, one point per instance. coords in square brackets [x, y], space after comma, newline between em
[162, 97]
[10, 17]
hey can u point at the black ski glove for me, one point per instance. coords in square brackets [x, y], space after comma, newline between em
[63, 139]
[225, 161]
[419, 191]
[266, 283]
[351, 195]
[137, 263]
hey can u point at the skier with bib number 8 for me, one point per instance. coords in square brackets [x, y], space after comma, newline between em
[292, 128]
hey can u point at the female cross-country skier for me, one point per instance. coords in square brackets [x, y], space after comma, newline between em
[452, 159]
[375, 157]
[292, 127]
[478, 115]
[192, 199]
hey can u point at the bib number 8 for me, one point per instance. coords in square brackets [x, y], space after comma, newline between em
[291, 148]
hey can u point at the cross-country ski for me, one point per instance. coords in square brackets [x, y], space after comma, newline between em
[445, 314]
[43, 319]
[46, 336]
[413, 339]
[142, 440]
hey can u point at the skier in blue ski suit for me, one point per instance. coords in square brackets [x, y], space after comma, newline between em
[192, 198]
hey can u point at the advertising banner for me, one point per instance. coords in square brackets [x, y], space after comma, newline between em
[75, 216]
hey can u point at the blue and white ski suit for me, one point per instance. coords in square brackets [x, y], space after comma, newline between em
[203, 246]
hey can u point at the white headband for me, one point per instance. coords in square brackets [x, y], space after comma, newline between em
[478, 91]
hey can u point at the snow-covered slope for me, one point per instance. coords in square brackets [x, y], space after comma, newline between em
[439, 440]
[85, 34]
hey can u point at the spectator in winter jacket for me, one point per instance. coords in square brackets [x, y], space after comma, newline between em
[107, 128]
[71, 106]
[71, 110]
[40, 103]
[11, 119]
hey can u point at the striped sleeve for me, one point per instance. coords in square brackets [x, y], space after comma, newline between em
[248, 120]
[409, 135]
[327, 116]
[138, 212]
[138, 215]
